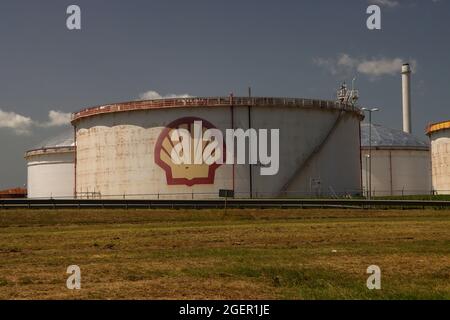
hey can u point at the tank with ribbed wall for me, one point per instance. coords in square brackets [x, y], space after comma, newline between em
[439, 134]
[400, 162]
[122, 149]
[51, 168]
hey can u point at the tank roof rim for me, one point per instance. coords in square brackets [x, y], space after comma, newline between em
[437, 126]
[49, 150]
[139, 105]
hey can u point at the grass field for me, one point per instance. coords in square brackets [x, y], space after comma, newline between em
[247, 254]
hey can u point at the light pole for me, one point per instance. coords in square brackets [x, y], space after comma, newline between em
[367, 175]
[370, 147]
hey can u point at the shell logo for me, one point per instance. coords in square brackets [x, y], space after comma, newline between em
[183, 174]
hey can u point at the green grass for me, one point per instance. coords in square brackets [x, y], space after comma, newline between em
[247, 254]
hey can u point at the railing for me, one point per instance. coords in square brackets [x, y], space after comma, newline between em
[211, 102]
[330, 193]
[219, 203]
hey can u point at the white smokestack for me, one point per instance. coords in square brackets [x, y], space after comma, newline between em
[406, 83]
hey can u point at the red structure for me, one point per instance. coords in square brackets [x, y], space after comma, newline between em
[13, 193]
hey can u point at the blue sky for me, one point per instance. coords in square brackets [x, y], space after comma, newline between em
[209, 48]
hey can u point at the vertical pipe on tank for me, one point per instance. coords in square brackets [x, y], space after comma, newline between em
[361, 184]
[370, 155]
[406, 97]
[249, 142]
[75, 161]
[391, 179]
[232, 127]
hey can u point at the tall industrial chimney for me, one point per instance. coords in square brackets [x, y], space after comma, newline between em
[406, 83]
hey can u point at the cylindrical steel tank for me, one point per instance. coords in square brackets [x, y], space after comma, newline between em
[400, 162]
[51, 168]
[122, 149]
[439, 134]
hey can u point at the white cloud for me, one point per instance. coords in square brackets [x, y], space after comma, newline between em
[153, 95]
[57, 119]
[11, 120]
[346, 61]
[325, 63]
[380, 67]
[345, 65]
[392, 3]
[23, 125]
[385, 3]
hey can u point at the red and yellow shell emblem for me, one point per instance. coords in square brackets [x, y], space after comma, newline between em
[183, 174]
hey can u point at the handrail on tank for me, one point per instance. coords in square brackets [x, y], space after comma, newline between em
[210, 102]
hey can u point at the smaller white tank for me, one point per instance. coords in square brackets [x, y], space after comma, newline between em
[439, 134]
[400, 162]
[51, 168]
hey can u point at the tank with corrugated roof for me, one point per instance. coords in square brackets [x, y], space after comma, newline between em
[398, 162]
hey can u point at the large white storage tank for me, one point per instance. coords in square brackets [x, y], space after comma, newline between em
[439, 134]
[400, 162]
[122, 149]
[51, 168]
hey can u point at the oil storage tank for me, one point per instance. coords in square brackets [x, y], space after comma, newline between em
[439, 134]
[400, 162]
[51, 168]
[123, 149]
